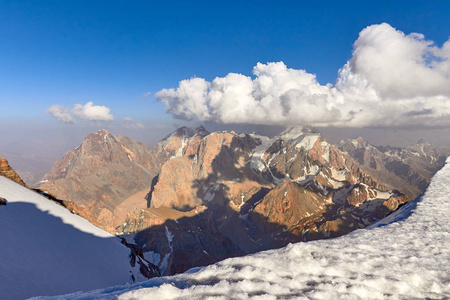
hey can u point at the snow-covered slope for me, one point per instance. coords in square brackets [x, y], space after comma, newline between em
[406, 259]
[46, 250]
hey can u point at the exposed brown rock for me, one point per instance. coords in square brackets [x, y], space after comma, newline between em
[175, 186]
[395, 201]
[140, 219]
[8, 172]
[183, 141]
[407, 169]
[360, 194]
[101, 173]
[214, 175]
[285, 205]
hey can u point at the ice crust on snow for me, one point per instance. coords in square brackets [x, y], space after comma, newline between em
[404, 256]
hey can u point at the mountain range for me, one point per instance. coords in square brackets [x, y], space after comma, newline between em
[226, 194]
[403, 256]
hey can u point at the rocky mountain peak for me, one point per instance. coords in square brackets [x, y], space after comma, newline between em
[301, 137]
[188, 132]
[101, 173]
[102, 132]
[422, 141]
[184, 132]
[359, 142]
[359, 145]
[182, 141]
[100, 135]
[202, 130]
[297, 130]
[103, 145]
[423, 149]
[408, 169]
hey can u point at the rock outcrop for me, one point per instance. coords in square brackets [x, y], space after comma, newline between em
[8, 172]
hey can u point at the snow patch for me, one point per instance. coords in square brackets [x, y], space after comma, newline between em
[184, 142]
[339, 175]
[165, 260]
[300, 137]
[211, 193]
[256, 161]
[326, 151]
[309, 173]
[307, 142]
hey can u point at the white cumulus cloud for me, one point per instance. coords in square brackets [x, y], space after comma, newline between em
[92, 112]
[392, 79]
[88, 111]
[60, 112]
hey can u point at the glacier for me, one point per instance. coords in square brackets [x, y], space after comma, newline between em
[404, 256]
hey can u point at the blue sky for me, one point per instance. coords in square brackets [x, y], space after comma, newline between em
[113, 53]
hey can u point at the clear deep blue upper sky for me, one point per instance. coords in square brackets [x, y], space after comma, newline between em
[114, 52]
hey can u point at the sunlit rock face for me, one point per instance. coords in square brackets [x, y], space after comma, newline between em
[101, 173]
[8, 172]
[408, 169]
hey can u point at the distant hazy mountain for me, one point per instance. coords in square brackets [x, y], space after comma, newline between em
[408, 169]
[30, 168]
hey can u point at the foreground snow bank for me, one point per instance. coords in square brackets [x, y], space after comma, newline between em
[46, 250]
[407, 259]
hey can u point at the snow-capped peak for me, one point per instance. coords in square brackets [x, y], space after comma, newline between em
[188, 132]
[301, 137]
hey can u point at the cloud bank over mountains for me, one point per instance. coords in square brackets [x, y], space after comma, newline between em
[392, 79]
[89, 112]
